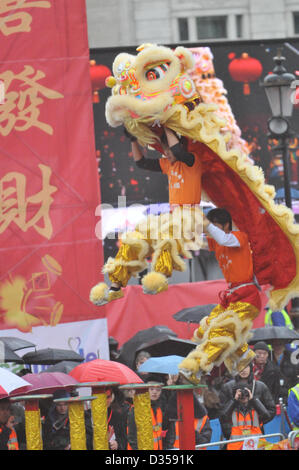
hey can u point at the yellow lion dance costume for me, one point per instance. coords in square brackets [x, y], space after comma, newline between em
[158, 87]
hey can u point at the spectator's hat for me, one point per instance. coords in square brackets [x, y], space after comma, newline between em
[262, 346]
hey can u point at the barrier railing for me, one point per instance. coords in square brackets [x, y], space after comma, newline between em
[231, 441]
[292, 436]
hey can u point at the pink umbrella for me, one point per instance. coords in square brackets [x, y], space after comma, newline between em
[48, 382]
[10, 382]
[101, 370]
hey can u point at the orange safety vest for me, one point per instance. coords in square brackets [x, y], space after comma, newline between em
[198, 426]
[243, 427]
[12, 443]
[157, 430]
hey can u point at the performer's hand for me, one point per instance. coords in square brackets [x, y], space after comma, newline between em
[171, 137]
[205, 223]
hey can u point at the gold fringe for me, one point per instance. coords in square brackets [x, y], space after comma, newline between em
[33, 430]
[143, 420]
[99, 418]
[77, 426]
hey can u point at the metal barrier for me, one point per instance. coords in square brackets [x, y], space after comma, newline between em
[292, 436]
[220, 443]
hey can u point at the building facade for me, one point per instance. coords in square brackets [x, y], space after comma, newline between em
[133, 22]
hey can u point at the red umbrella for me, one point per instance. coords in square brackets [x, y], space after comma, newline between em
[48, 382]
[101, 370]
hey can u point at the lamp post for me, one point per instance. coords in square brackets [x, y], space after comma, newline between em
[278, 90]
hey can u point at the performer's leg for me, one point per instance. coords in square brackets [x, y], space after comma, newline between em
[172, 236]
[130, 259]
[166, 258]
[226, 334]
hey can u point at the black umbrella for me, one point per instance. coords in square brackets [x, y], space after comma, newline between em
[128, 350]
[51, 356]
[167, 346]
[63, 366]
[8, 355]
[268, 333]
[16, 343]
[194, 314]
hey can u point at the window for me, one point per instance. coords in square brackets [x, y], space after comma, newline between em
[239, 25]
[296, 22]
[211, 27]
[183, 29]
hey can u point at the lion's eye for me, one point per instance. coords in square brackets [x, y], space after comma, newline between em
[157, 72]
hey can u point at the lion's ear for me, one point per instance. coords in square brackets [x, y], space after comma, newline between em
[185, 57]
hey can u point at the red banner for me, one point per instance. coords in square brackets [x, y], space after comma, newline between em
[137, 311]
[49, 190]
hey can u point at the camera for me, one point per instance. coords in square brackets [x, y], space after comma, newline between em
[244, 393]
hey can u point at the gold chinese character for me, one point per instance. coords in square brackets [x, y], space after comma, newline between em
[16, 207]
[20, 110]
[14, 21]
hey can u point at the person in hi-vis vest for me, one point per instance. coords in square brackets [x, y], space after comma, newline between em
[293, 406]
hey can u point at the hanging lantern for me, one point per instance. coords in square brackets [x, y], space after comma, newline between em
[98, 75]
[245, 69]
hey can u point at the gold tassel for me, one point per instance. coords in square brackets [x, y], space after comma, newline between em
[143, 420]
[99, 417]
[33, 429]
[77, 426]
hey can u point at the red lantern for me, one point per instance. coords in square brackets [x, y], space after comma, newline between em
[245, 69]
[98, 75]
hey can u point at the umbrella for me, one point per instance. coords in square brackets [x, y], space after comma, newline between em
[128, 350]
[167, 345]
[162, 364]
[63, 366]
[102, 370]
[280, 193]
[48, 382]
[8, 355]
[51, 356]
[268, 333]
[194, 314]
[10, 382]
[16, 343]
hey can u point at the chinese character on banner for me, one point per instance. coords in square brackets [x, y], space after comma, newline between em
[13, 18]
[16, 207]
[20, 110]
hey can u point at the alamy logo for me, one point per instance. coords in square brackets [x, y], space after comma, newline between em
[295, 354]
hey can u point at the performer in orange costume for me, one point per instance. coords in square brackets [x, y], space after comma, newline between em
[223, 334]
[164, 238]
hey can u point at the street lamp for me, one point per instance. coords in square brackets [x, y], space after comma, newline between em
[277, 85]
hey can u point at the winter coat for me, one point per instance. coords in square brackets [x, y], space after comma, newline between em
[288, 373]
[271, 376]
